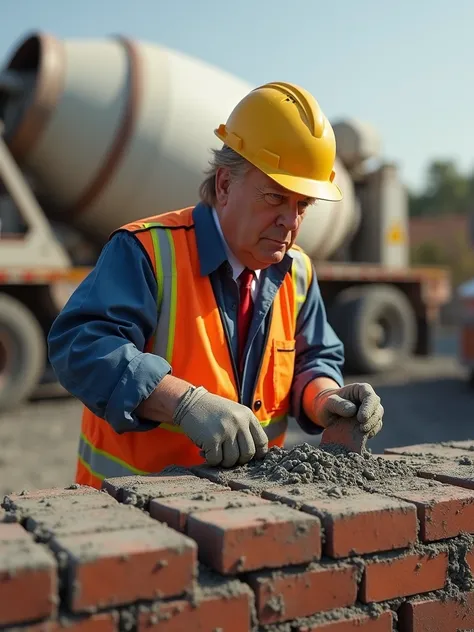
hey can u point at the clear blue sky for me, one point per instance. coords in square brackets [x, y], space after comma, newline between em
[407, 66]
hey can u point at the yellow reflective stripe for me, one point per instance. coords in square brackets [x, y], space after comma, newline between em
[102, 464]
[171, 428]
[174, 290]
[159, 268]
[272, 420]
[301, 274]
[295, 285]
[89, 469]
[166, 277]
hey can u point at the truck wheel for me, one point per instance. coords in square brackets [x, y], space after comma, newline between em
[377, 326]
[22, 352]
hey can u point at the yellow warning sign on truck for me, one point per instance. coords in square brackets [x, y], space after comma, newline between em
[396, 234]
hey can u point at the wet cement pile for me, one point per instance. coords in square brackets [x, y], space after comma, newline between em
[306, 464]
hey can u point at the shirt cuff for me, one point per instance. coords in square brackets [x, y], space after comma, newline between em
[137, 383]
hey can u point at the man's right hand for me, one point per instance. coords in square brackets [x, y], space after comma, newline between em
[228, 433]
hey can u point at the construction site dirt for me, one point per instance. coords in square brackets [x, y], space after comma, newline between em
[426, 401]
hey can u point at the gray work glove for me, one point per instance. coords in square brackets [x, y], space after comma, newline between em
[353, 400]
[227, 432]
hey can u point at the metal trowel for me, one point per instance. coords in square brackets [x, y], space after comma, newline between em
[345, 433]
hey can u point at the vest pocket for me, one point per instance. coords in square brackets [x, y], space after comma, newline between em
[284, 353]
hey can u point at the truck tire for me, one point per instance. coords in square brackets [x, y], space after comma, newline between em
[377, 325]
[22, 352]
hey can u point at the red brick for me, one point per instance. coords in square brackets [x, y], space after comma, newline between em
[294, 593]
[174, 511]
[434, 615]
[267, 536]
[52, 492]
[60, 523]
[363, 622]
[364, 523]
[119, 567]
[426, 449]
[444, 511]
[115, 486]
[449, 472]
[100, 622]
[401, 576]
[28, 579]
[213, 610]
[67, 503]
[139, 490]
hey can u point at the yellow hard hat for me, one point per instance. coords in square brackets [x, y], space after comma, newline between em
[280, 129]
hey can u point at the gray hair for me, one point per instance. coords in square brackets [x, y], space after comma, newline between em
[225, 157]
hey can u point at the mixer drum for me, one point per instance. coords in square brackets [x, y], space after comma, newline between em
[116, 130]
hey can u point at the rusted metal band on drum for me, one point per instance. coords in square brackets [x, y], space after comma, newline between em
[48, 54]
[122, 138]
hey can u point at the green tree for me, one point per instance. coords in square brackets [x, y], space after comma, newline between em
[447, 191]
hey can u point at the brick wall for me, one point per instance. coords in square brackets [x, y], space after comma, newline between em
[227, 551]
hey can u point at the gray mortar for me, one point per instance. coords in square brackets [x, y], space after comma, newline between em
[128, 619]
[138, 491]
[460, 578]
[333, 472]
[175, 470]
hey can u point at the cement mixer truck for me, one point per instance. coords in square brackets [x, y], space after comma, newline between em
[97, 132]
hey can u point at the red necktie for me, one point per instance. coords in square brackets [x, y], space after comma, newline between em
[244, 315]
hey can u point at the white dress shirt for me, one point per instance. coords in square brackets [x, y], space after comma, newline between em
[237, 267]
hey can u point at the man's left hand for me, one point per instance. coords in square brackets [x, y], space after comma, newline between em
[353, 400]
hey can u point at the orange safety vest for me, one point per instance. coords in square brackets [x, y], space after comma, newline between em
[191, 337]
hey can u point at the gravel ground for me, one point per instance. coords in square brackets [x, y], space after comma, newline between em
[429, 400]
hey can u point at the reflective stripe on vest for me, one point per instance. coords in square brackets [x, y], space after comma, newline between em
[101, 464]
[301, 274]
[165, 258]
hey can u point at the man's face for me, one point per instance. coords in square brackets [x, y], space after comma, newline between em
[259, 218]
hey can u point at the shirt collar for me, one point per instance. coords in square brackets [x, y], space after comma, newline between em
[237, 266]
[212, 247]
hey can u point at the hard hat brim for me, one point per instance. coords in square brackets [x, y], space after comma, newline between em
[326, 191]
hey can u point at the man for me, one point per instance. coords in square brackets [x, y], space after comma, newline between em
[200, 330]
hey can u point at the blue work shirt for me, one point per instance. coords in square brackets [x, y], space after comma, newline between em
[96, 343]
